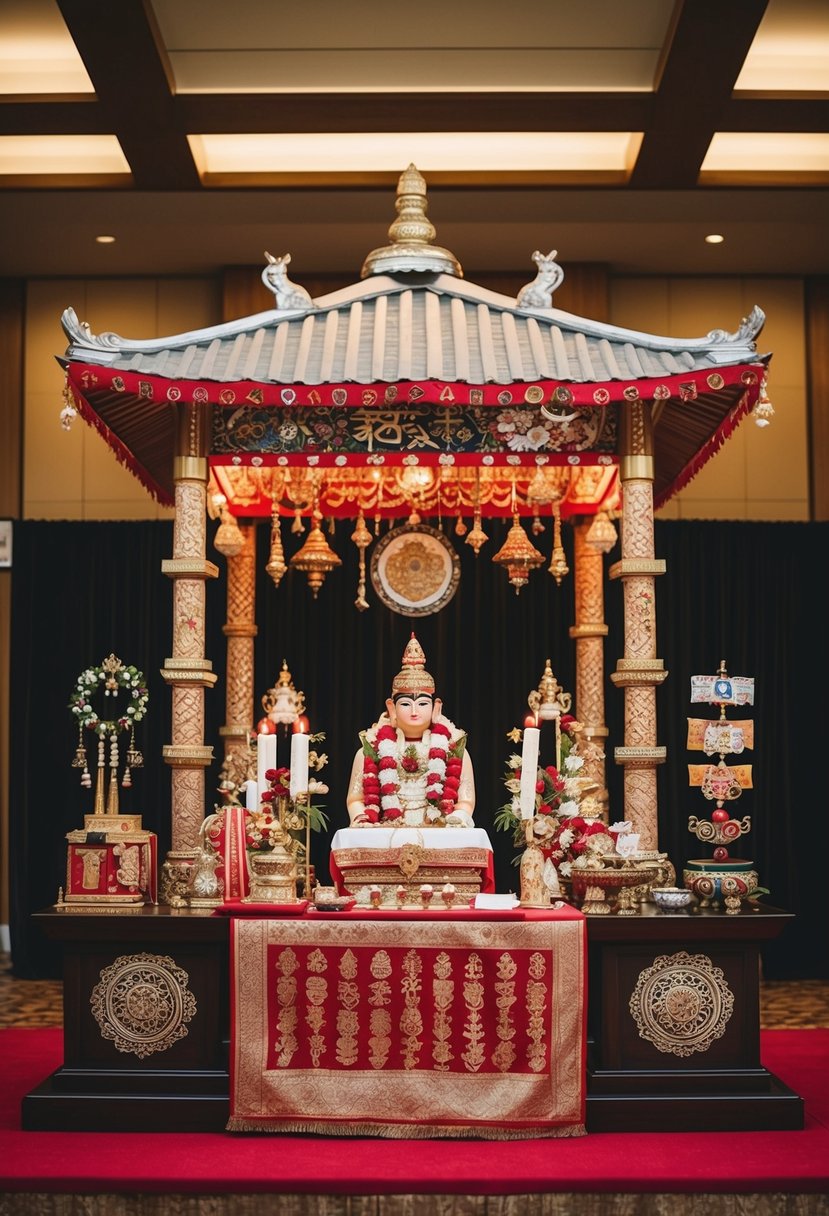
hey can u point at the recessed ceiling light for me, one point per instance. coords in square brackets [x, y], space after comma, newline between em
[110, 240]
[714, 238]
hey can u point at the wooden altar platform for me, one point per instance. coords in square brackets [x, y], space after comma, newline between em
[673, 1023]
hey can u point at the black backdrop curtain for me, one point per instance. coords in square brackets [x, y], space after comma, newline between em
[745, 592]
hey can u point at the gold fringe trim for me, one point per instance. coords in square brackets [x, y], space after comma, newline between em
[394, 1131]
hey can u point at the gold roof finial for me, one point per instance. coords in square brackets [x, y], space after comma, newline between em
[411, 235]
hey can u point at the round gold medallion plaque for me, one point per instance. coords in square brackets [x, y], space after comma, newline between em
[682, 1004]
[143, 1003]
[414, 570]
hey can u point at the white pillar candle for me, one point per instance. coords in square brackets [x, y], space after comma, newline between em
[251, 789]
[265, 759]
[299, 764]
[529, 771]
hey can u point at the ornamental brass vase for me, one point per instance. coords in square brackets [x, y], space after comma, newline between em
[272, 877]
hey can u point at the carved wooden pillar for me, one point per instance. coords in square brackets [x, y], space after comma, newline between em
[589, 632]
[188, 672]
[640, 671]
[240, 630]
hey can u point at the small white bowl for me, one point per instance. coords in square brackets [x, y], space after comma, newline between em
[671, 897]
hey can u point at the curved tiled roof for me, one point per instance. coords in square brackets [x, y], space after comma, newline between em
[391, 329]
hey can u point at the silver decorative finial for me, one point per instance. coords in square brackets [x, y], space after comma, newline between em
[539, 293]
[411, 235]
[275, 277]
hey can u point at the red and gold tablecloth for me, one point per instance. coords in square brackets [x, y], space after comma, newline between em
[398, 1026]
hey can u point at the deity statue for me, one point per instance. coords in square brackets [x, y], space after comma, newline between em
[413, 768]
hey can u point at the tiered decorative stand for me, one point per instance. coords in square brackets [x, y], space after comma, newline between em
[722, 880]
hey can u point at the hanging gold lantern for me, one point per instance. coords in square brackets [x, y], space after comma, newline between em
[362, 539]
[519, 555]
[228, 540]
[763, 411]
[558, 566]
[316, 558]
[276, 561]
[601, 534]
[477, 537]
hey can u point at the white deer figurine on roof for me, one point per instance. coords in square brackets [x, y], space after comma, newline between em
[539, 293]
[288, 294]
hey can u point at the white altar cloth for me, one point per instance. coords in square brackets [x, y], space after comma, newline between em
[393, 838]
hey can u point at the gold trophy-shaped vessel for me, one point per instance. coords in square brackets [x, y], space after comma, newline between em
[273, 871]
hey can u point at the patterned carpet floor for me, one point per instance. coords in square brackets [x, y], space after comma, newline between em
[784, 1004]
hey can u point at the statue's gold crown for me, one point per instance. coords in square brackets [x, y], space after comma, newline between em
[413, 678]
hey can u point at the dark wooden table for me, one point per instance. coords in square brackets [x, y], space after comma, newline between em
[673, 1023]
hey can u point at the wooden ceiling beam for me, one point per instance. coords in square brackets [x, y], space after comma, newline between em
[123, 53]
[703, 55]
[257, 113]
[81, 114]
[776, 114]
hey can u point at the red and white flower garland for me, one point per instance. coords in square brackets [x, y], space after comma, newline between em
[381, 778]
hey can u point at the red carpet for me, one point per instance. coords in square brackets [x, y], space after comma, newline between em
[790, 1162]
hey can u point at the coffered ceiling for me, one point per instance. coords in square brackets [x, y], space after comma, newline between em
[199, 133]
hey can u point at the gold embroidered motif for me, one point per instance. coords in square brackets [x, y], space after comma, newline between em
[505, 1054]
[411, 1022]
[286, 1022]
[380, 1038]
[443, 989]
[316, 991]
[380, 965]
[348, 965]
[473, 1031]
[316, 961]
[536, 1004]
[348, 1023]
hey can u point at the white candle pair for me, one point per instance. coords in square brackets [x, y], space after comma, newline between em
[529, 771]
[299, 764]
[265, 759]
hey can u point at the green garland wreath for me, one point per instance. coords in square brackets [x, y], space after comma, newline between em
[113, 677]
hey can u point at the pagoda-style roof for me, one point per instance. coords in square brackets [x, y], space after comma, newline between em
[304, 383]
[388, 329]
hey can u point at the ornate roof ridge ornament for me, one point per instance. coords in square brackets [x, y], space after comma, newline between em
[411, 235]
[289, 296]
[748, 329]
[539, 293]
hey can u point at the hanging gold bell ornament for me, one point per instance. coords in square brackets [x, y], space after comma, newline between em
[558, 566]
[316, 558]
[276, 566]
[362, 539]
[518, 555]
[601, 534]
[477, 538]
[229, 539]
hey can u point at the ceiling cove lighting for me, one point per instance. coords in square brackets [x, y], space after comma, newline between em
[438, 151]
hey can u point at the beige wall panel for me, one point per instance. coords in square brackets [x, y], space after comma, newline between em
[724, 477]
[126, 306]
[699, 305]
[777, 457]
[53, 463]
[58, 508]
[75, 475]
[757, 474]
[783, 334]
[185, 304]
